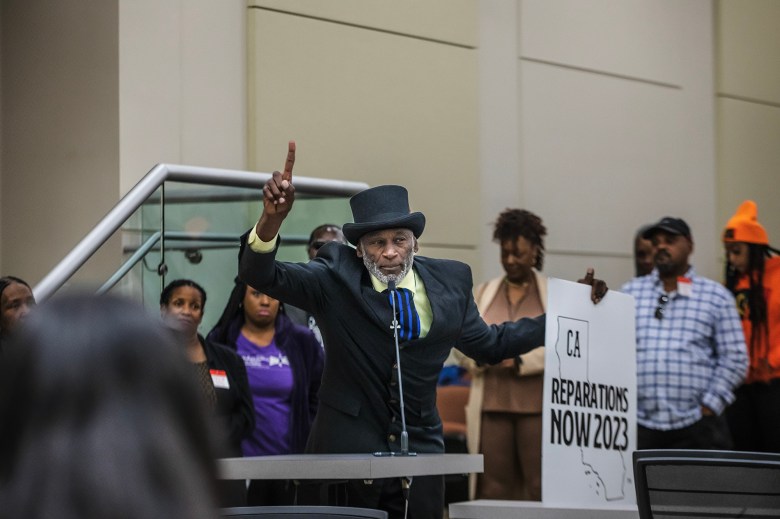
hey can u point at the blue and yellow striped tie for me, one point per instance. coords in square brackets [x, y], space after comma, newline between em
[408, 318]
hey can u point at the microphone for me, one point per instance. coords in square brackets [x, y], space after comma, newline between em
[391, 286]
[406, 482]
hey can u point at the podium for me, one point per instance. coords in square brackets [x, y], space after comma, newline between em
[346, 466]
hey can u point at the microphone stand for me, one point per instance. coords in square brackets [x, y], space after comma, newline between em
[406, 481]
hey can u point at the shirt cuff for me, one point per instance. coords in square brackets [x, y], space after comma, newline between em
[714, 403]
[258, 245]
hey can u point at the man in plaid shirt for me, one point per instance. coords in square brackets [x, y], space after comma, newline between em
[691, 352]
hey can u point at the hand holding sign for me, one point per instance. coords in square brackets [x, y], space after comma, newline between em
[598, 287]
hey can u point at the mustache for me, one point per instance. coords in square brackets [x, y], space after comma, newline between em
[661, 253]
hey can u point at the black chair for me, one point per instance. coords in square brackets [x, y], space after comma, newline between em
[295, 512]
[679, 484]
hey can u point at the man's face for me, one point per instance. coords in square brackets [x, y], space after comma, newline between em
[15, 304]
[671, 253]
[643, 256]
[388, 254]
[323, 237]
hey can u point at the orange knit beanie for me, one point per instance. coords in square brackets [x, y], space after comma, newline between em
[744, 226]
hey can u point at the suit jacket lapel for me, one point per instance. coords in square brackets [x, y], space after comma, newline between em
[435, 290]
[377, 303]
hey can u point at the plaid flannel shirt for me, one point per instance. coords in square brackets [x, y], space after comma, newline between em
[693, 356]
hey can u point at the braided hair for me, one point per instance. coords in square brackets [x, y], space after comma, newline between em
[756, 300]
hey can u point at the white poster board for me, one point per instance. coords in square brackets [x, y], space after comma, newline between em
[589, 413]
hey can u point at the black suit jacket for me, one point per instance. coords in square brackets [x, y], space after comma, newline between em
[359, 408]
[234, 412]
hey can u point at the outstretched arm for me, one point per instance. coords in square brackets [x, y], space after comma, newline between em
[278, 198]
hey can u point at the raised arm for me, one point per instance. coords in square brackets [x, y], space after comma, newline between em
[278, 198]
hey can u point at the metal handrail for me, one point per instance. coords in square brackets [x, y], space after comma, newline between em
[199, 240]
[145, 187]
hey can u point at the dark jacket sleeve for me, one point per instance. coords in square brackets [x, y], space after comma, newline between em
[490, 344]
[241, 418]
[293, 283]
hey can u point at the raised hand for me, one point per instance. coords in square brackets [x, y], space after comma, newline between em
[278, 198]
[598, 287]
[279, 192]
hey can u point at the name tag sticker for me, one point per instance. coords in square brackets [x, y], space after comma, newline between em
[684, 286]
[219, 379]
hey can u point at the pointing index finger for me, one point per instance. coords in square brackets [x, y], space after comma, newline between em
[288, 165]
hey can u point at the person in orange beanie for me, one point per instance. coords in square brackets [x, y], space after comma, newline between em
[753, 276]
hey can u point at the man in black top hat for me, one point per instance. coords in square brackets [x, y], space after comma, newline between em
[345, 289]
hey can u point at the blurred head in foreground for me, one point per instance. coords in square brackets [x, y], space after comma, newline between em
[100, 417]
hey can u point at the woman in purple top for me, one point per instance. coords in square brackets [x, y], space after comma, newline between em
[284, 365]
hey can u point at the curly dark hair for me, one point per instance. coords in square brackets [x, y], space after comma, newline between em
[513, 223]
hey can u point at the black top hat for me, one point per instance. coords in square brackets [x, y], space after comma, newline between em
[382, 207]
[670, 225]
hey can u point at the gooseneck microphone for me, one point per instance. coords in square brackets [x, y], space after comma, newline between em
[395, 326]
[406, 481]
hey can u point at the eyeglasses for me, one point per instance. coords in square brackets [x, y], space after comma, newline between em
[659, 311]
[317, 245]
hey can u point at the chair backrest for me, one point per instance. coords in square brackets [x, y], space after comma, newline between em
[696, 483]
[296, 512]
[451, 404]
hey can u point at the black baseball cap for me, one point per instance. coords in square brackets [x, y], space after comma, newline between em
[668, 224]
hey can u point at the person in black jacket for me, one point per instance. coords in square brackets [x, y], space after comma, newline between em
[284, 366]
[345, 289]
[220, 373]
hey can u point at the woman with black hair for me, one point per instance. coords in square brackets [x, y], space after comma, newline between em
[16, 300]
[220, 373]
[284, 364]
[100, 417]
[753, 276]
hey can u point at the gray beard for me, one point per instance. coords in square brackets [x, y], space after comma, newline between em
[386, 278]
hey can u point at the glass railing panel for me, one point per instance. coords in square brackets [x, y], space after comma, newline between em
[201, 221]
[109, 268]
[202, 228]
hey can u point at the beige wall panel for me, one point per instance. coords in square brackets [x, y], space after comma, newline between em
[149, 87]
[614, 270]
[749, 161]
[499, 119]
[634, 38]
[749, 49]
[452, 21]
[603, 156]
[59, 130]
[369, 106]
[183, 85]
[213, 80]
[467, 256]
